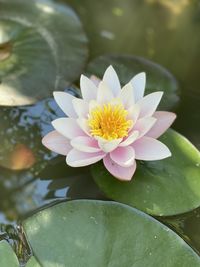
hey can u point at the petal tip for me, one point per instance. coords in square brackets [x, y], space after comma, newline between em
[57, 94]
[142, 74]
[122, 179]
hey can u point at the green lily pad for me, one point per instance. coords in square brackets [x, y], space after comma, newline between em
[99, 233]
[158, 78]
[33, 262]
[42, 48]
[7, 256]
[165, 187]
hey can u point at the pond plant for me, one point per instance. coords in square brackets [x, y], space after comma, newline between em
[124, 171]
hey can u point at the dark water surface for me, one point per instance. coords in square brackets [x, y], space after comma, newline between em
[167, 32]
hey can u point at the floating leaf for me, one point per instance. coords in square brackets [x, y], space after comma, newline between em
[158, 78]
[97, 233]
[7, 256]
[165, 187]
[33, 263]
[42, 48]
[9, 259]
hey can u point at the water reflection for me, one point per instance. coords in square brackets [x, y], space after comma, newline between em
[22, 157]
[70, 183]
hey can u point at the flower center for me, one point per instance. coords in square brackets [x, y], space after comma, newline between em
[109, 121]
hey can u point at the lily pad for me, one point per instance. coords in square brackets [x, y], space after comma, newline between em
[100, 233]
[158, 78]
[42, 48]
[33, 263]
[165, 187]
[7, 256]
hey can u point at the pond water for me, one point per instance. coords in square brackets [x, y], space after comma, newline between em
[167, 32]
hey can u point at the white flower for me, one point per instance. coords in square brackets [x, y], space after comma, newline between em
[110, 123]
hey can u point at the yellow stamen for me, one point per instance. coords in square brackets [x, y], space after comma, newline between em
[109, 121]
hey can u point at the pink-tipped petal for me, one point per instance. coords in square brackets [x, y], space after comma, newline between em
[108, 146]
[133, 135]
[57, 143]
[126, 95]
[149, 103]
[68, 127]
[164, 121]
[64, 101]
[81, 107]
[95, 80]
[77, 158]
[111, 79]
[143, 125]
[123, 156]
[85, 144]
[138, 82]
[88, 88]
[104, 93]
[147, 148]
[121, 173]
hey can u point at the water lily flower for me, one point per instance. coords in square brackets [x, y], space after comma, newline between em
[110, 123]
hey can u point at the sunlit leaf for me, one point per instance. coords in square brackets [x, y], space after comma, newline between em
[33, 263]
[165, 187]
[42, 48]
[7, 256]
[97, 233]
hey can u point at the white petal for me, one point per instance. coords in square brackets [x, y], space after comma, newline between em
[64, 100]
[83, 124]
[104, 93]
[68, 127]
[57, 143]
[133, 113]
[88, 88]
[123, 156]
[149, 103]
[143, 125]
[77, 158]
[111, 79]
[127, 96]
[106, 145]
[147, 148]
[164, 121]
[85, 144]
[92, 105]
[121, 173]
[138, 82]
[133, 135]
[95, 80]
[81, 107]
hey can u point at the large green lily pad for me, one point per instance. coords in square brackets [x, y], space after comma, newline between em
[98, 233]
[42, 48]
[158, 78]
[165, 187]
